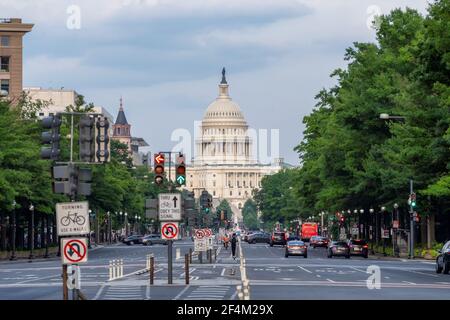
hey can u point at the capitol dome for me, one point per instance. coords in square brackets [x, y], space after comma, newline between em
[223, 108]
[224, 138]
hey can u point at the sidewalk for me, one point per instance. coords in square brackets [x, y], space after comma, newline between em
[380, 256]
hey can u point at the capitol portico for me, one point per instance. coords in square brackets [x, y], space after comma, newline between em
[224, 163]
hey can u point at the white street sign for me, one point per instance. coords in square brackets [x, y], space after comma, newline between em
[72, 218]
[200, 245]
[74, 250]
[210, 243]
[169, 207]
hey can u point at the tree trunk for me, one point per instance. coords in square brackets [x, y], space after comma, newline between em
[3, 232]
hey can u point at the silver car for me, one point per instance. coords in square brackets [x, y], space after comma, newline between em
[153, 239]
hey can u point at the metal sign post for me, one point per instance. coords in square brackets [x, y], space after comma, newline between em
[170, 232]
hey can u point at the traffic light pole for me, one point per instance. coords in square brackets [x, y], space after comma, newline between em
[411, 217]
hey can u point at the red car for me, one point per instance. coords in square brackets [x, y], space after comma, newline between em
[317, 241]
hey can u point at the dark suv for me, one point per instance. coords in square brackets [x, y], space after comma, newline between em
[443, 259]
[134, 239]
[278, 238]
[358, 248]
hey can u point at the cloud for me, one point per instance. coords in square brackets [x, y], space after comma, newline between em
[165, 56]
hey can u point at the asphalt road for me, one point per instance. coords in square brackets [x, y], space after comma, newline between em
[270, 275]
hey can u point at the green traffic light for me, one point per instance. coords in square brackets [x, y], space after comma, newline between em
[413, 204]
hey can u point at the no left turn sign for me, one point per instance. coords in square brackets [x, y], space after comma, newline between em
[169, 230]
[74, 250]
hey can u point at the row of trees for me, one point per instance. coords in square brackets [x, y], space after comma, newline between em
[350, 158]
[25, 179]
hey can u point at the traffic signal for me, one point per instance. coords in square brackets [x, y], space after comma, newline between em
[180, 170]
[342, 219]
[413, 199]
[51, 137]
[102, 145]
[159, 168]
[86, 138]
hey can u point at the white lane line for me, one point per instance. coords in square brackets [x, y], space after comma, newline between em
[223, 272]
[408, 282]
[304, 269]
[358, 270]
[427, 274]
[182, 292]
[99, 292]
[318, 276]
[329, 280]
[234, 295]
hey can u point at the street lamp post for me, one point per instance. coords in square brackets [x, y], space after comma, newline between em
[109, 226]
[126, 224]
[13, 232]
[32, 232]
[372, 216]
[361, 211]
[394, 231]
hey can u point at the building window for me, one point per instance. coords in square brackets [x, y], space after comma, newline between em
[41, 114]
[4, 64]
[214, 193]
[118, 131]
[214, 183]
[4, 41]
[231, 193]
[4, 87]
[239, 193]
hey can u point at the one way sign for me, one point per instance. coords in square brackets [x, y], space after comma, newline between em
[169, 207]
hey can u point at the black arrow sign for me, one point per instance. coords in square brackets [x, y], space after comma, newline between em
[71, 252]
[175, 199]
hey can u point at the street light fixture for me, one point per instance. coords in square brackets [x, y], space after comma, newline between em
[386, 116]
[32, 232]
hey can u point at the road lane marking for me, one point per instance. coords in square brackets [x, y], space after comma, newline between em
[182, 292]
[358, 269]
[304, 269]
[426, 274]
[408, 282]
[223, 272]
[329, 280]
[318, 275]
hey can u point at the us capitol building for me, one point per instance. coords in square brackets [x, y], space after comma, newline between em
[224, 164]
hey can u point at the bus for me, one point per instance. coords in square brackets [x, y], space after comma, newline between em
[309, 229]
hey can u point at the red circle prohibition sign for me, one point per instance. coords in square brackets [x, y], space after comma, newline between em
[80, 253]
[199, 233]
[170, 230]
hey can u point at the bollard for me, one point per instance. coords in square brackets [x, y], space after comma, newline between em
[114, 269]
[186, 267]
[200, 257]
[110, 270]
[190, 255]
[152, 269]
[210, 255]
[178, 254]
[121, 268]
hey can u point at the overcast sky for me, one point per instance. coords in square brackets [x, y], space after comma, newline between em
[165, 56]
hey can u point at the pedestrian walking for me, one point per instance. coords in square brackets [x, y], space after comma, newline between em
[233, 245]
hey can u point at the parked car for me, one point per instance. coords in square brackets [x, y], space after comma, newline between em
[247, 234]
[296, 248]
[259, 237]
[153, 239]
[338, 248]
[133, 239]
[279, 238]
[358, 248]
[318, 241]
[443, 259]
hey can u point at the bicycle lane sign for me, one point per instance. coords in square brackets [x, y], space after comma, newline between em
[72, 218]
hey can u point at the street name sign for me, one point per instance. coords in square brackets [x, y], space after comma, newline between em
[74, 250]
[169, 207]
[169, 230]
[72, 218]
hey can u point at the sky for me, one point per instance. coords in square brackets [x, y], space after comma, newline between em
[164, 57]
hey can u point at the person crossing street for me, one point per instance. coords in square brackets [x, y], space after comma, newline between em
[233, 245]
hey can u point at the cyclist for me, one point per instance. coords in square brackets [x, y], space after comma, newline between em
[226, 240]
